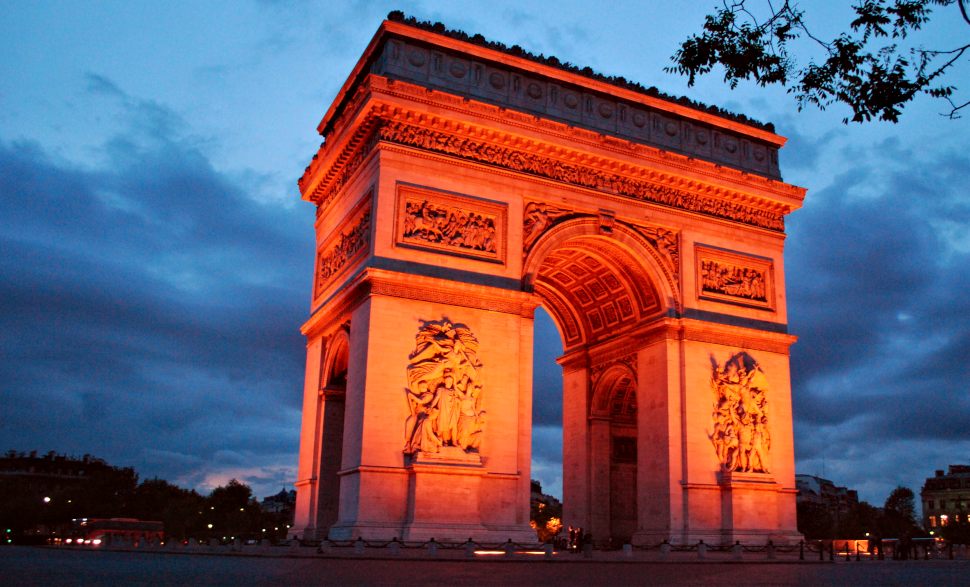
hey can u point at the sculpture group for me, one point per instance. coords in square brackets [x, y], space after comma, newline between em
[740, 433]
[444, 390]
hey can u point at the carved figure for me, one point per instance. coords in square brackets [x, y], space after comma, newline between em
[444, 390]
[740, 435]
[537, 218]
[665, 242]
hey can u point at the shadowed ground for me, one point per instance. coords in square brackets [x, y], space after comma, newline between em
[47, 566]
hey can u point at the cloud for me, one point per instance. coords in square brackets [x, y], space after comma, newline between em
[150, 301]
[877, 298]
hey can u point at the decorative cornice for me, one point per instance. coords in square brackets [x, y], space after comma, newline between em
[333, 170]
[379, 85]
[585, 176]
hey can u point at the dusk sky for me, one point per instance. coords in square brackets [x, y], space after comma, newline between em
[156, 257]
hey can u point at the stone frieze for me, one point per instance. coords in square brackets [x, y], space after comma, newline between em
[541, 166]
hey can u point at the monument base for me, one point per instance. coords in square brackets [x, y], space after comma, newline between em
[444, 490]
[749, 509]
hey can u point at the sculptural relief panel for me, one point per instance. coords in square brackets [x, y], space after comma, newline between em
[444, 390]
[451, 223]
[740, 432]
[727, 276]
[343, 248]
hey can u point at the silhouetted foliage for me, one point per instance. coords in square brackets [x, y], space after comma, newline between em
[870, 67]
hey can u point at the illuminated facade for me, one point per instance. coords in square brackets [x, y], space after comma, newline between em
[946, 497]
[460, 186]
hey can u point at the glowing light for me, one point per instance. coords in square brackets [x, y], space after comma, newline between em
[47, 499]
[210, 526]
[96, 541]
[68, 541]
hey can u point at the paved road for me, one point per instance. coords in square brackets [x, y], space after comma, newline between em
[46, 566]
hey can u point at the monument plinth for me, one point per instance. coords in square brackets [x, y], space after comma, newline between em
[460, 186]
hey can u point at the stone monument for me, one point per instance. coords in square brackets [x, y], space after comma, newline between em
[460, 185]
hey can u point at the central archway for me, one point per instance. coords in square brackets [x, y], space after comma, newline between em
[598, 286]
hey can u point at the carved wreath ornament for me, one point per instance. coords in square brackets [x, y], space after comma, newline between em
[740, 435]
[444, 390]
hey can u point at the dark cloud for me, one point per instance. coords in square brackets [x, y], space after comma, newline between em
[150, 305]
[877, 270]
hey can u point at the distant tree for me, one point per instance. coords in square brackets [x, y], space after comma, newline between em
[179, 509]
[899, 514]
[871, 67]
[232, 511]
[815, 521]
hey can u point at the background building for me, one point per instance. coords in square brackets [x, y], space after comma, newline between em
[945, 497]
[822, 492]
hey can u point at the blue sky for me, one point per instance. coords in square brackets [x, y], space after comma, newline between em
[156, 256]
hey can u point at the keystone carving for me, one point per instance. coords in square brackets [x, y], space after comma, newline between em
[444, 390]
[740, 437]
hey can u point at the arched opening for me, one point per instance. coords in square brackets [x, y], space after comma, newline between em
[615, 408]
[598, 292]
[333, 391]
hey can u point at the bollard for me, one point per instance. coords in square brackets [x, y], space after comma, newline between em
[509, 548]
[832, 551]
[469, 548]
[701, 550]
[950, 551]
[926, 553]
[737, 552]
[433, 548]
[848, 555]
[770, 549]
[236, 544]
[801, 550]
[395, 547]
[858, 555]
[664, 550]
[628, 550]
[588, 550]
[821, 550]
[359, 546]
[549, 549]
[294, 543]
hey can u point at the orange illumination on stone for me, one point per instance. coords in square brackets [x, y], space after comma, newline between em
[458, 189]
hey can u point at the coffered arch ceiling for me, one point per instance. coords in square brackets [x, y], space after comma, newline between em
[595, 290]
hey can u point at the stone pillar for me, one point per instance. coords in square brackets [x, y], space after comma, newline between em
[451, 494]
[599, 479]
[659, 443]
[307, 484]
[575, 441]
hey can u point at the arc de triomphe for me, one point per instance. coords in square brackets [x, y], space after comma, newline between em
[462, 184]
